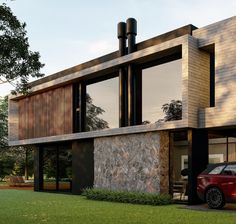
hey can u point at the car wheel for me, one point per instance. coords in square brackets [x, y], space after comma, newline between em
[215, 198]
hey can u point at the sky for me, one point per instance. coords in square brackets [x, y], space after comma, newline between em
[67, 33]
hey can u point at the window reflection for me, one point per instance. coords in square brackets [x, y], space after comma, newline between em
[102, 105]
[162, 96]
[57, 168]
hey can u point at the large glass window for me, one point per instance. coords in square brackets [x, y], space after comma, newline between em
[162, 94]
[179, 165]
[57, 168]
[102, 105]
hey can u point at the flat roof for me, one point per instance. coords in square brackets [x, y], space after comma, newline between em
[139, 46]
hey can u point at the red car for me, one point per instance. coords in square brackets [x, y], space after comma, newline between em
[217, 184]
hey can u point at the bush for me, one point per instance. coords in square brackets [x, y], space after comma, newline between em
[127, 197]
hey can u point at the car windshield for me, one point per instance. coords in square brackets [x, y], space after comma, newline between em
[217, 170]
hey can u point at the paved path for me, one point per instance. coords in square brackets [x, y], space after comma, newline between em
[203, 207]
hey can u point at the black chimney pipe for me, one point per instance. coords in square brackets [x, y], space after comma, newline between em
[123, 86]
[121, 34]
[131, 31]
[134, 78]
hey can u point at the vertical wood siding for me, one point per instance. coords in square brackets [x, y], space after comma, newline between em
[46, 114]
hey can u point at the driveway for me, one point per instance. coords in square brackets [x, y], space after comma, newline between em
[203, 207]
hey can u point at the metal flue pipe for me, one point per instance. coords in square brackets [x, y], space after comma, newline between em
[123, 92]
[134, 78]
[131, 31]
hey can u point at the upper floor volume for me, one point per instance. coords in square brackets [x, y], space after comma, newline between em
[125, 91]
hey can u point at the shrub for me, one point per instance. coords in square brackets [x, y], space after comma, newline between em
[127, 196]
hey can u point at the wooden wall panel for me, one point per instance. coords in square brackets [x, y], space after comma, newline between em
[30, 117]
[50, 117]
[46, 114]
[68, 110]
[55, 112]
[61, 109]
[36, 114]
[21, 119]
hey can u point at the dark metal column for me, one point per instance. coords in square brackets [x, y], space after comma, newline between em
[38, 168]
[82, 106]
[227, 148]
[138, 96]
[197, 160]
[123, 92]
[79, 107]
[212, 78]
[131, 31]
[134, 78]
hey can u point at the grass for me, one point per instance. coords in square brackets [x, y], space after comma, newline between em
[2, 183]
[23, 207]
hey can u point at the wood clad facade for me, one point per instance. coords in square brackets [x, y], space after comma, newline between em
[46, 114]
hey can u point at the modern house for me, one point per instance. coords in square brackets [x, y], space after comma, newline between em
[101, 123]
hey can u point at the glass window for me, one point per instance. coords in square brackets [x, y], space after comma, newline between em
[57, 168]
[162, 91]
[217, 170]
[216, 158]
[102, 105]
[230, 170]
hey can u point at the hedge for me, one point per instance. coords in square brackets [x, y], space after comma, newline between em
[127, 196]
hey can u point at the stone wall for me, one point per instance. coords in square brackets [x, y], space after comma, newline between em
[136, 162]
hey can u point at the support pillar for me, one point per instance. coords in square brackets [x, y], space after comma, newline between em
[79, 107]
[197, 160]
[38, 168]
[123, 94]
[134, 78]
[134, 96]
[82, 165]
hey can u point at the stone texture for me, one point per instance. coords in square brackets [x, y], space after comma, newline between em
[137, 162]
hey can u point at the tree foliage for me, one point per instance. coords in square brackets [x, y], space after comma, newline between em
[3, 122]
[17, 62]
[94, 122]
[172, 110]
[12, 159]
[50, 163]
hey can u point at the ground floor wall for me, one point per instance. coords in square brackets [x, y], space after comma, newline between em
[146, 162]
[137, 162]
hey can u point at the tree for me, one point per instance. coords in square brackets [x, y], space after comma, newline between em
[17, 62]
[172, 110]
[92, 113]
[3, 122]
[13, 160]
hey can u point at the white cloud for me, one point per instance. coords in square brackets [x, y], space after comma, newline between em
[101, 47]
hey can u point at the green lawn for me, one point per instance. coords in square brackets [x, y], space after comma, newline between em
[34, 207]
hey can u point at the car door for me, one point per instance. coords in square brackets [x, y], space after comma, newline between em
[228, 182]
